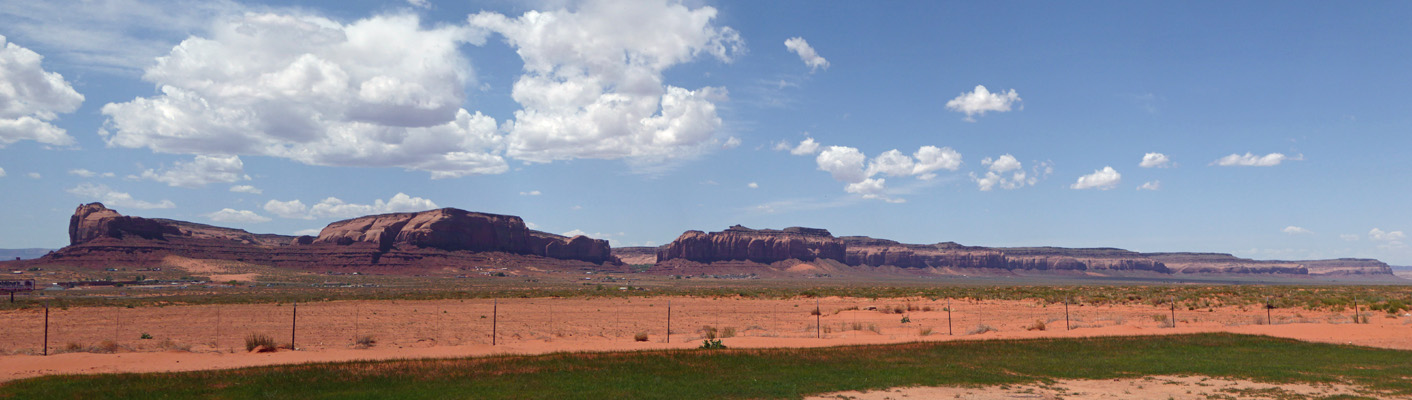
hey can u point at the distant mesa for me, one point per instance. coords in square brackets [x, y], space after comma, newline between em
[767, 246]
[443, 237]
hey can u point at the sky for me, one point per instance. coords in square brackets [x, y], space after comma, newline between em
[1269, 130]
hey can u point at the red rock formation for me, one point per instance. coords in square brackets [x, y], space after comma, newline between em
[762, 246]
[878, 252]
[94, 221]
[431, 239]
[452, 229]
[1091, 259]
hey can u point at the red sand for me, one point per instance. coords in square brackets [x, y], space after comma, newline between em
[188, 338]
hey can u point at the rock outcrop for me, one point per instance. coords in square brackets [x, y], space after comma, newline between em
[452, 229]
[1221, 263]
[94, 221]
[1090, 259]
[446, 237]
[739, 243]
[864, 250]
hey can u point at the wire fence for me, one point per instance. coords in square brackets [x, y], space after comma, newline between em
[351, 324]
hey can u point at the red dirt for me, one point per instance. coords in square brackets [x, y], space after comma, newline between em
[188, 338]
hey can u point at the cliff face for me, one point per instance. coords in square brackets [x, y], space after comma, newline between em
[763, 246]
[452, 229]
[447, 236]
[94, 221]
[1093, 259]
[863, 250]
[1225, 263]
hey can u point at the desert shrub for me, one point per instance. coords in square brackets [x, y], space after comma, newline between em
[924, 331]
[145, 336]
[899, 309]
[1036, 326]
[712, 344]
[365, 341]
[168, 344]
[106, 346]
[816, 312]
[906, 319]
[261, 341]
[708, 332]
[640, 337]
[911, 307]
[926, 308]
[981, 328]
[73, 347]
[729, 331]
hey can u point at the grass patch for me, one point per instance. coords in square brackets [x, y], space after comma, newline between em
[767, 373]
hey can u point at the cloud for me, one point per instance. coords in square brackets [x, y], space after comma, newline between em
[316, 91]
[1101, 179]
[293, 209]
[202, 170]
[847, 165]
[84, 173]
[34, 175]
[1155, 160]
[999, 173]
[121, 36]
[1251, 160]
[1390, 239]
[753, 185]
[2, 172]
[606, 98]
[530, 193]
[1348, 237]
[598, 235]
[334, 207]
[113, 198]
[31, 97]
[308, 232]
[981, 101]
[1380, 235]
[806, 147]
[246, 189]
[236, 216]
[1295, 230]
[1152, 185]
[424, 4]
[806, 53]
[731, 143]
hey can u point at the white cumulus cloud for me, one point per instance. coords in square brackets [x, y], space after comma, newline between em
[113, 198]
[1295, 230]
[1379, 234]
[1155, 160]
[419, 3]
[30, 98]
[1252, 160]
[2, 172]
[1151, 185]
[1007, 172]
[34, 175]
[805, 147]
[753, 185]
[530, 193]
[806, 53]
[231, 215]
[246, 189]
[316, 91]
[333, 207]
[200, 171]
[1101, 179]
[981, 101]
[851, 166]
[593, 84]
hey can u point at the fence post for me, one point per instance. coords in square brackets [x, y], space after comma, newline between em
[46, 328]
[669, 321]
[293, 325]
[217, 343]
[818, 320]
[1355, 309]
[948, 318]
[1174, 311]
[1067, 326]
[494, 319]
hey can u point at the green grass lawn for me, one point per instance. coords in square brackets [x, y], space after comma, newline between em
[770, 373]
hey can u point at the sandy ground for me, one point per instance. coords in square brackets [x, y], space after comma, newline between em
[1151, 387]
[183, 338]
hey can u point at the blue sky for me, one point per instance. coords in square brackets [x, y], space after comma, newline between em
[1267, 130]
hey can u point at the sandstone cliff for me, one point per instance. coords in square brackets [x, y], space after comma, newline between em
[437, 238]
[763, 246]
[864, 250]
